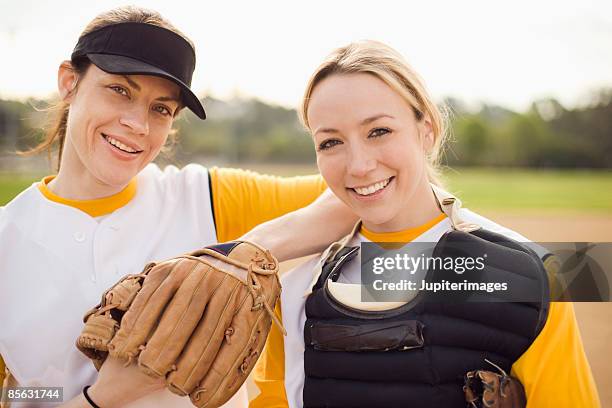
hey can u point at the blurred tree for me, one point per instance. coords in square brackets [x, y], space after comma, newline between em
[239, 130]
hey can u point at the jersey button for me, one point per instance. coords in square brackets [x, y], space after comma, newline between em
[79, 236]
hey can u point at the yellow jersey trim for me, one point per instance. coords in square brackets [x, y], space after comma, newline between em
[94, 208]
[407, 235]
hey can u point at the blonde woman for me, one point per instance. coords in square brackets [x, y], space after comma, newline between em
[378, 134]
[109, 210]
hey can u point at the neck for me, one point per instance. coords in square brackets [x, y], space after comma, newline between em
[422, 208]
[75, 182]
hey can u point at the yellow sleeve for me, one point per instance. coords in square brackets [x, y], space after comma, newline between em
[554, 370]
[243, 199]
[269, 372]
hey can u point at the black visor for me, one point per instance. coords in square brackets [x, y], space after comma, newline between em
[143, 49]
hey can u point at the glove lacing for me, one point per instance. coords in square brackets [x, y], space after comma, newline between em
[253, 285]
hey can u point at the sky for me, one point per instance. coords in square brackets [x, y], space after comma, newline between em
[508, 53]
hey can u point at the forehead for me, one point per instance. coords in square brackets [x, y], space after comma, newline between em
[353, 97]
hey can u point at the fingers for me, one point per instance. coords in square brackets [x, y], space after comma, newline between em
[204, 344]
[234, 360]
[179, 320]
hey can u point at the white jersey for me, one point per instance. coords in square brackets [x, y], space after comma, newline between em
[56, 261]
[298, 282]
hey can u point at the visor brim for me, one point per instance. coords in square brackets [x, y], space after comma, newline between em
[118, 64]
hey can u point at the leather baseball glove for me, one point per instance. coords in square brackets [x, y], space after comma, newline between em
[493, 390]
[199, 320]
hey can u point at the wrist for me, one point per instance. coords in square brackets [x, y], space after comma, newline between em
[99, 397]
[89, 401]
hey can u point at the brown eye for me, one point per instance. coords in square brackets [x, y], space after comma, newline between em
[119, 89]
[328, 144]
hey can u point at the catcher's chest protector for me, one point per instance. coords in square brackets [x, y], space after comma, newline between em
[415, 355]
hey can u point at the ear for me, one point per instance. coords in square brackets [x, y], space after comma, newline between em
[66, 81]
[427, 134]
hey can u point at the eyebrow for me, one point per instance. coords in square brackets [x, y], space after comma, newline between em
[325, 130]
[135, 85]
[169, 99]
[375, 118]
[132, 83]
[366, 121]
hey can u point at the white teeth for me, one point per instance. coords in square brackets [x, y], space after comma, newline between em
[120, 145]
[371, 189]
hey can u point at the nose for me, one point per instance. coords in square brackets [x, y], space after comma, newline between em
[361, 160]
[137, 119]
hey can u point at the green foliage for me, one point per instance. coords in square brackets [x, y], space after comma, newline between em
[20, 124]
[245, 131]
[546, 136]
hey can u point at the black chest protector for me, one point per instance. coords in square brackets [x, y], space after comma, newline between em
[416, 355]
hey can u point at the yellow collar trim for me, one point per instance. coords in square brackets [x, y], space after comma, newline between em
[94, 208]
[401, 236]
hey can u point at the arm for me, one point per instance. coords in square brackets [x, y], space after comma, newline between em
[305, 231]
[243, 199]
[554, 370]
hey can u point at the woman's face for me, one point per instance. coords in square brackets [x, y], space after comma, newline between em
[117, 124]
[370, 148]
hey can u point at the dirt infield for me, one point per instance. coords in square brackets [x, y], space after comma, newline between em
[545, 226]
[594, 319]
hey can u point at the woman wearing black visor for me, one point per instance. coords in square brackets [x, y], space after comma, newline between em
[109, 210]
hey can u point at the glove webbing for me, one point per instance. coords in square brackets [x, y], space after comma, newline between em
[107, 300]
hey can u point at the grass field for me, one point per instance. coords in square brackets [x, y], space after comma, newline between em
[12, 184]
[494, 189]
[479, 189]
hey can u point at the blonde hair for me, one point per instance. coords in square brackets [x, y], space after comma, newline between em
[385, 63]
[55, 130]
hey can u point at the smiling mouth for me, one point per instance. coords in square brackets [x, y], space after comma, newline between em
[120, 146]
[373, 188]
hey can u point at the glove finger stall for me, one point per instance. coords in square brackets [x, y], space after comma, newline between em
[234, 360]
[203, 346]
[237, 357]
[146, 309]
[179, 320]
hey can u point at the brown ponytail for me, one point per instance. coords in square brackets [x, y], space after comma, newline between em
[57, 120]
